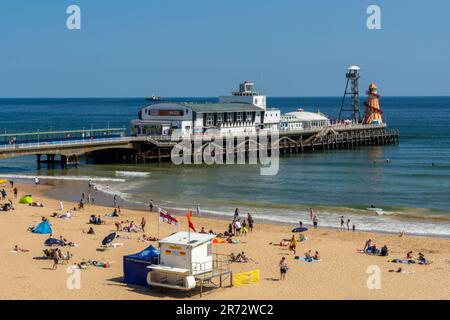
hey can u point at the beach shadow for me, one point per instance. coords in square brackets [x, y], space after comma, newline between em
[158, 292]
[273, 279]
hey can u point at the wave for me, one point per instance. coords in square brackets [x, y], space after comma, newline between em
[69, 178]
[132, 174]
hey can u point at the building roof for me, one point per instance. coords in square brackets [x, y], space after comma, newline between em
[301, 115]
[184, 238]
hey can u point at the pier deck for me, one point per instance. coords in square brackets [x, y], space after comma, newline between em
[111, 145]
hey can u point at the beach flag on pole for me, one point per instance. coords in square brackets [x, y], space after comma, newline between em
[164, 216]
[191, 225]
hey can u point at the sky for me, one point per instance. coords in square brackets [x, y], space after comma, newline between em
[193, 48]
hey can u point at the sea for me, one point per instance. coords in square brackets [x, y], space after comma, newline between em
[409, 181]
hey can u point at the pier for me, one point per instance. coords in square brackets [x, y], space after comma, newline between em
[66, 148]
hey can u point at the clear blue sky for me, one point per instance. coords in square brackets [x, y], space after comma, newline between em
[184, 48]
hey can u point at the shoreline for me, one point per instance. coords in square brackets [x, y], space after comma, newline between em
[104, 199]
[341, 275]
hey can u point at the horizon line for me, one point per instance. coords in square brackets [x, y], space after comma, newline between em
[216, 97]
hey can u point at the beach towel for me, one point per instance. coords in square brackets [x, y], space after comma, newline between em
[306, 260]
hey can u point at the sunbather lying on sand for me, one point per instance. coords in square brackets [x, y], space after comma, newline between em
[18, 249]
[144, 238]
[37, 204]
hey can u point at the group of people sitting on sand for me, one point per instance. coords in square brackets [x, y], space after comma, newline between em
[7, 206]
[371, 248]
[309, 257]
[67, 215]
[145, 238]
[239, 258]
[96, 220]
[127, 226]
[57, 256]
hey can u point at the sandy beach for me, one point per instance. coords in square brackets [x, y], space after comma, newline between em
[342, 273]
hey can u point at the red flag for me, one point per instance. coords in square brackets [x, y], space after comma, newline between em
[191, 225]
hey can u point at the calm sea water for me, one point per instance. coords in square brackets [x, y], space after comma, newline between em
[413, 193]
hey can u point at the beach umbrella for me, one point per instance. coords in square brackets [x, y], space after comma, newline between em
[53, 242]
[26, 199]
[109, 238]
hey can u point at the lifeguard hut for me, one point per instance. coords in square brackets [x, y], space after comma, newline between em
[187, 261]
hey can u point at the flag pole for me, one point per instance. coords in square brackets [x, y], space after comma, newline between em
[158, 215]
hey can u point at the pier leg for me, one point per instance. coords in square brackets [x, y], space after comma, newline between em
[38, 161]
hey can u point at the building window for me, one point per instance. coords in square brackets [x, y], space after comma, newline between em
[229, 117]
[248, 116]
[209, 249]
[209, 119]
[219, 118]
[239, 117]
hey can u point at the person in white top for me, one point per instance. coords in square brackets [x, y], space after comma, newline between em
[61, 206]
[36, 180]
[199, 213]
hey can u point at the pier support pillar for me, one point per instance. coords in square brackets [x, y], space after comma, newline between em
[38, 161]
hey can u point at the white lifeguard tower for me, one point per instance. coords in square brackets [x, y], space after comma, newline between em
[187, 261]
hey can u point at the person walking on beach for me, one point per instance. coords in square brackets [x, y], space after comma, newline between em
[250, 222]
[61, 206]
[293, 245]
[348, 224]
[115, 200]
[342, 223]
[315, 221]
[283, 268]
[199, 213]
[311, 213]
[15, 191]
[236, 214]
[151, 205]
[143, 222]
[36, 180]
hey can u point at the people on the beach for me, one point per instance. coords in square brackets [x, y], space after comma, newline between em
[342, 223]
[250, 222]
[199, 212]
[315, 221]
[151, 205]
[143, 223]
[283, 268]
[293, 244]
[348, 224]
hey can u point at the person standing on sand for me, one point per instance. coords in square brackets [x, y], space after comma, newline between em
[311, 214]
[283, 268]
[315, 221]
[143, 222]
[199, 213]
[151, 205]
[342, 223]
[61, 206]
[36, 180]
[348, 224]
[293, 244]
[115, 200]
[15, 191]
